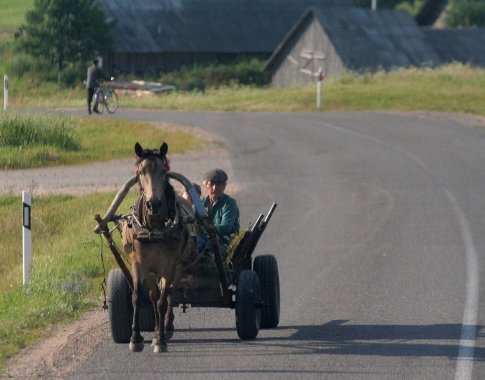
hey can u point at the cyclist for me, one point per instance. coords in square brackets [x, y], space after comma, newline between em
[95, 74]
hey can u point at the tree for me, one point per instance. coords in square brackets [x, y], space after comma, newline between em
[63, 32]
[466, 13]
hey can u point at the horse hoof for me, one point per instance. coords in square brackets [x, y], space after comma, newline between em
[160, 348]
[136, 347]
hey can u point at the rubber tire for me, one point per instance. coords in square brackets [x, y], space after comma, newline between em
[266, 267]
[120, 309]
[248, 309]
[111, 100]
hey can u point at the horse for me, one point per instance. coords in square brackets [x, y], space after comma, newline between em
[159, 240]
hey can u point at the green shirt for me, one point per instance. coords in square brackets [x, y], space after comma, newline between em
[224, 214]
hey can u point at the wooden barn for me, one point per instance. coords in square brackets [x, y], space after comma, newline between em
[151, 36]
[358, 39]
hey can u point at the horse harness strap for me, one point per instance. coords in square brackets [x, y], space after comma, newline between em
[141, 231]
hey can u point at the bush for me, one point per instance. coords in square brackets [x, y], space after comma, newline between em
[466, 13]
[198, 78]
[73, 74]
[22, 64]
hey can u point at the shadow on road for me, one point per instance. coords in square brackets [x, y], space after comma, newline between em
[339, 338]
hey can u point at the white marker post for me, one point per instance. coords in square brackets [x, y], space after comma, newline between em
[320, 88]
[5, 92]
[374, 5]
[27, 237]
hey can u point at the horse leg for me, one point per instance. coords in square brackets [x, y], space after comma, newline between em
[169, 317]
[136, 340]
[160, 340]
[154, 297]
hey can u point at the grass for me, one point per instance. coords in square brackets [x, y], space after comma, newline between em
[28, 140]
[451, 88]
[12, 14]
[67, 269]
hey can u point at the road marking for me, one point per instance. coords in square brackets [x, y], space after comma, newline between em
[464, 367]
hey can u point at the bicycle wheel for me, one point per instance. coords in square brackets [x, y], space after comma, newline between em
[99, 100]
[111, 101]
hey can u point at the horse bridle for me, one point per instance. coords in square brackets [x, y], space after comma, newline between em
[138, 172]
[144, 211]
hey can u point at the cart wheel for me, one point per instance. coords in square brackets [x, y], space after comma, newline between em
[120, 309]
[248, 305]
[266, 267]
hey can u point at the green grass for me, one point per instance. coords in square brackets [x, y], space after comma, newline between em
[12, 14]
[28, 141]
[67, 270]
[451, 88]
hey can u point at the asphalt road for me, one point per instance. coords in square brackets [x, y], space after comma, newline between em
[378, 237]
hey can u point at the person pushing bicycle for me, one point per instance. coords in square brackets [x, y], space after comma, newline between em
[95, 75]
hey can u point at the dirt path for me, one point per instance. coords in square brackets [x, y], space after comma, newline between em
[66, 347]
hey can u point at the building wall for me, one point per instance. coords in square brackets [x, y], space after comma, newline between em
[306, 51]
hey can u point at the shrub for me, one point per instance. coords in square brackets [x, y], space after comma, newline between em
[198, 78]
[466, 13]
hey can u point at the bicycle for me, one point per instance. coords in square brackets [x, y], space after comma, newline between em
[105, 97]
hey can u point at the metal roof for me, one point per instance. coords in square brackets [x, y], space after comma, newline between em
[460, 45]
[366, 39]
[208, 26]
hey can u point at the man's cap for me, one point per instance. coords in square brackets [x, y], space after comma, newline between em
[216, 175]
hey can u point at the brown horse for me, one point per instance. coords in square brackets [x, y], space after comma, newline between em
[159, 242]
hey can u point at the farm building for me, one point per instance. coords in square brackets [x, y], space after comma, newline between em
[162, 35]
[458, 45]
[355, 40]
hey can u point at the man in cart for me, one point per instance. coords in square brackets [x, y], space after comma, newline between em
[221, 208]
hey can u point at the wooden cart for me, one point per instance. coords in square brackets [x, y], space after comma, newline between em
[248, 285]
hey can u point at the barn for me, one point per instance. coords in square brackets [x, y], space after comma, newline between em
[358, 40]
[151, 36]
[458, 45]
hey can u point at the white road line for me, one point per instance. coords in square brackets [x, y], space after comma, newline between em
[464, 367]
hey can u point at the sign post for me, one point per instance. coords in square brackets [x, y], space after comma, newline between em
[27, 236]
[5, 92]
[320, 88]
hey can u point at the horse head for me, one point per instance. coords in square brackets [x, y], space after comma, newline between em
[151, 167]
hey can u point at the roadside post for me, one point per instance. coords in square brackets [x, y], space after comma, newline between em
[320, 87]
[27, 236]
[374, 5]
[5, 92]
